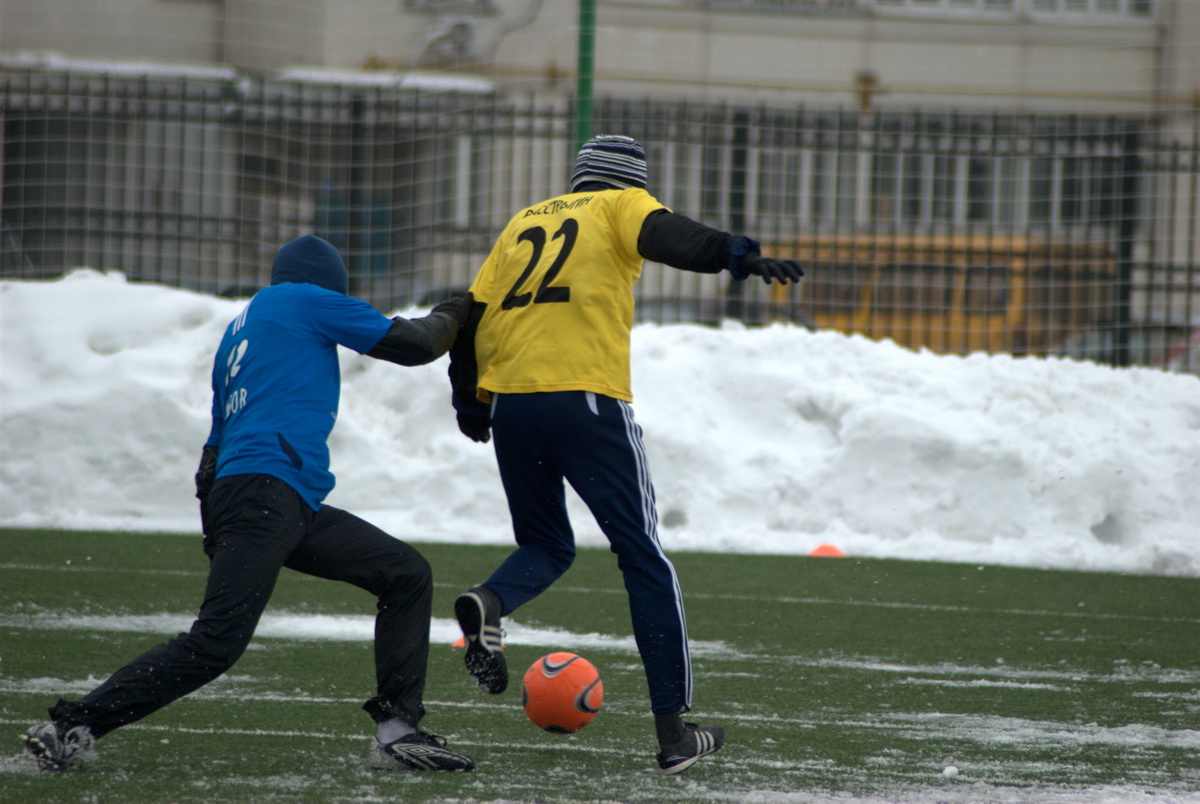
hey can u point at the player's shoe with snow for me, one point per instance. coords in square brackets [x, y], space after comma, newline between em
[697, 742]
[478, 613]
[419, 751]
[55, 747]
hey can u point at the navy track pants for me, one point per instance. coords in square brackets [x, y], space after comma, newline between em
[258, 524]
[593, 442]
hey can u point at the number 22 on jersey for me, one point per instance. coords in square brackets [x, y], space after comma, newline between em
[547, 292]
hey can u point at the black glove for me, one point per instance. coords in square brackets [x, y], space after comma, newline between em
[476, 428]
[206, 475]
[782, 271]
[457, 308]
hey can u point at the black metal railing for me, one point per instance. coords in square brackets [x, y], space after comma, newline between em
[1085, 227]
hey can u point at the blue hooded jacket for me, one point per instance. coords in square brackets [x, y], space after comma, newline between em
[276, 380]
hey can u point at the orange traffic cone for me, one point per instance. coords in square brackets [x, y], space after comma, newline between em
[461, 642]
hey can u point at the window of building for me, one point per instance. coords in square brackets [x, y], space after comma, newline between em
[950, 6]
[1136, 9]
[1042, 10]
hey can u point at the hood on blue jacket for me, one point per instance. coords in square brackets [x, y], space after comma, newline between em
[310, 259]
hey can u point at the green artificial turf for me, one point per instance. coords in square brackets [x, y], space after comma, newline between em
[836, 678]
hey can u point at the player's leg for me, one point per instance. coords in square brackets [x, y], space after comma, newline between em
[533, 484]
[246, 553]
[605, 463]
[342, 547]
[609, 470]
[545, 542]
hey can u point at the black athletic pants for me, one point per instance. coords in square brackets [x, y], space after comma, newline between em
[258, 524]
[591, 441]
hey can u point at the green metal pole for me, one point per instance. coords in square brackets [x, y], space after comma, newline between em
[583, 81]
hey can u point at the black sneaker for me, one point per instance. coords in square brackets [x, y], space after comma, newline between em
[697, 742]
[478, 613]
[57, 747]
[419, 751]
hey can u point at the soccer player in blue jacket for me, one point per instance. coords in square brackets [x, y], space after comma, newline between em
[543, 361]
[263, 475]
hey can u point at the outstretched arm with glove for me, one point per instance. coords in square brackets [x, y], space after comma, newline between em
[417, 341]
[680, 242]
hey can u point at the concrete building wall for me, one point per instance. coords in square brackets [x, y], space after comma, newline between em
[663, 48]
[1017, 66]
[113, 29]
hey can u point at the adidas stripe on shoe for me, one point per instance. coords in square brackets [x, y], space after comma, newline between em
[419, 751]
[478, 614]
[56, 748]
[697, 742]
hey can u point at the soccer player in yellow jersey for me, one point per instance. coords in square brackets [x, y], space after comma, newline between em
[543, 362]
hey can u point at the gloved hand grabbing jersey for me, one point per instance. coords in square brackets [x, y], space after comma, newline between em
[781, 271]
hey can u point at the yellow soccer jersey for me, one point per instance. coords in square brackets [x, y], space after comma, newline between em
[559, 292]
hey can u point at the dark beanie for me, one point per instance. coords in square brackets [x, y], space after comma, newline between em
[310, 259]
[612, 159]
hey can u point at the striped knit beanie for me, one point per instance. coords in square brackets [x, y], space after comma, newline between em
[612, 159]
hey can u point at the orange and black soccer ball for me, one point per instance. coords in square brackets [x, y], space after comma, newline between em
[562, 692]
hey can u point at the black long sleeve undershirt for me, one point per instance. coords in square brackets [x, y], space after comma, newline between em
[416, 341]
[680, 242]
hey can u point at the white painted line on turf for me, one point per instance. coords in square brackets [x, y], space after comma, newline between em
[444, 631]
[978, 728]
[883, 604]
[69, 567]
[334, 627]
[975, 728]
[978, 683]
[1120, 674]
[806, 601]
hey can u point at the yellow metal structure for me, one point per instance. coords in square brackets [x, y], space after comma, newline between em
[950, 293]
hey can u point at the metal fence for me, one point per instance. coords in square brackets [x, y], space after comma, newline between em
[956, 232]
